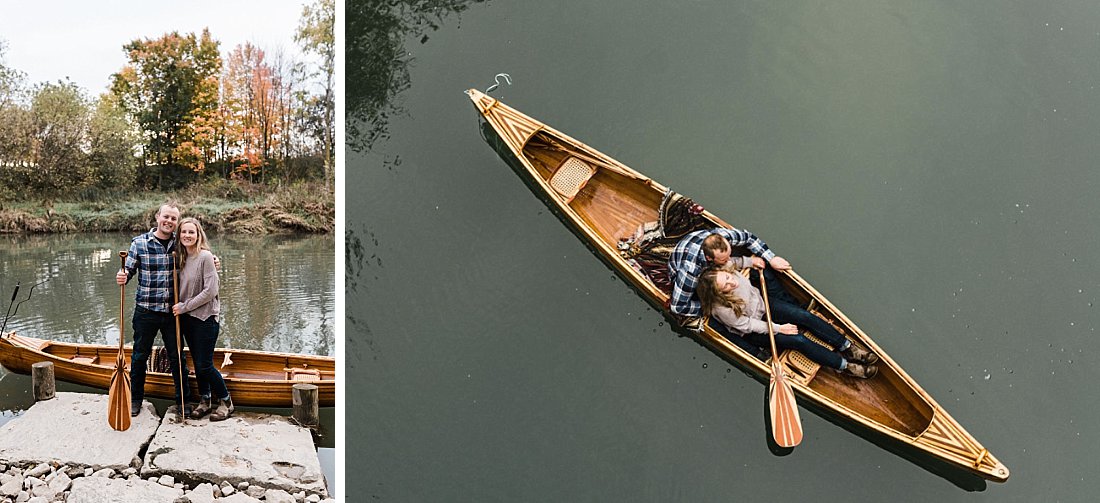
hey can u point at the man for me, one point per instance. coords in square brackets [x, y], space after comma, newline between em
[150, 258]
[699, 249]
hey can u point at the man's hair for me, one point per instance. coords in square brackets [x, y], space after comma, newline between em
[167, 204]
[714, 243]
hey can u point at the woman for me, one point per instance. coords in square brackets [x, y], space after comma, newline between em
[733, 301]
[198, 308]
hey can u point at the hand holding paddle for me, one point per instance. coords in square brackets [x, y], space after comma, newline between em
[118, 398]
[786, 425]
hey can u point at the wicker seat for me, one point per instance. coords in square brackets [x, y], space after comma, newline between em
[571, 177]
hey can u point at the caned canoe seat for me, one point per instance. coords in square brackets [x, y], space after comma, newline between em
[84, 360]
[570, 177]
[302, 375]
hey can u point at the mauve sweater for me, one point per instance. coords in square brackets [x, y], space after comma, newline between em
[199, 287]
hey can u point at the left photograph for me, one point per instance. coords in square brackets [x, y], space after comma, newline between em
[168, 282]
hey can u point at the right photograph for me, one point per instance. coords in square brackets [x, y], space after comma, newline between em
[720, 251]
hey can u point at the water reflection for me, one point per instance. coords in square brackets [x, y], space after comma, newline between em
[277, 292]
[378, 69]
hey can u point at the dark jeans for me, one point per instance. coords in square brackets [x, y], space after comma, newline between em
[146, 325]
[785, 309]
[202, 338]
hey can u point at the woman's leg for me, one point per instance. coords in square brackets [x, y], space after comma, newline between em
[811, 349]
[194, 345]
[209, 336]
[784, 312]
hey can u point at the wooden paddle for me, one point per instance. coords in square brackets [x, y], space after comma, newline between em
[118, 398]
[179, 347]
[786, 425]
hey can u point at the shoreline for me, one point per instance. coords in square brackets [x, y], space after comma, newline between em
[304, 208]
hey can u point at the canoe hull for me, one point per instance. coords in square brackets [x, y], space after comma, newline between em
[616, 199]
[254, 378]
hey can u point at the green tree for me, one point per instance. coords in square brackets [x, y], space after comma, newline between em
[170, 89]
[111, 145]
[61, 116]
[315, 34]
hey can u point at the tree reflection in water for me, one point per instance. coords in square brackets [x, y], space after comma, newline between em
[377, 63]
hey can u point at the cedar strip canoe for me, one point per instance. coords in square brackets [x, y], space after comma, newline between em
[254, 378]
[603, 200]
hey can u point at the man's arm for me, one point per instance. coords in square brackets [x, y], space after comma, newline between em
[683, 287]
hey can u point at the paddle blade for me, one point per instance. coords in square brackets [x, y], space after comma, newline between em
[118, 400]
[786, 425]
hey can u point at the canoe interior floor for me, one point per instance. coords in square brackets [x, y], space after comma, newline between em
[880, 399]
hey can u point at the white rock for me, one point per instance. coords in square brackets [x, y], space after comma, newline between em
[129, 471]
[99, 490]
[300, 496]
[88, 471]
[39, 470]
[31, 482]
[313, 498]
[105, 473]
[60, 482]
[255, 491]
[5, 478]
[239, 498]
[23, 497]
[242, 486]
[166, 480]
[202, 493]
[44, 491]
[12, 488]
[38, 499]
[84, 442]
[227, 489]
[278, 496]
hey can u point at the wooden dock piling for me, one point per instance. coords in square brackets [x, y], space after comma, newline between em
[42, 381]
[306, 411]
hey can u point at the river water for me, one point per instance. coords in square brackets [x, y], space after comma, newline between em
[277, 294]
[930, 167]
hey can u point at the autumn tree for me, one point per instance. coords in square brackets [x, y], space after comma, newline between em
[316, 35]
[170, 89]
[252, 97]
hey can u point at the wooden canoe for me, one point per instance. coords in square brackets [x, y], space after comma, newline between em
[254, 378]
[603, 201]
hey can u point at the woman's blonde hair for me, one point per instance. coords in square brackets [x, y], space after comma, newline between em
[711, 296]
[201, 242]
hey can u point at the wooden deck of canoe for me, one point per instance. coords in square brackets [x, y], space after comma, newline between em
[254, 378]
[603, 201]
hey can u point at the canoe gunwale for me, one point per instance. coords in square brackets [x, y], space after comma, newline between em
[977, 460]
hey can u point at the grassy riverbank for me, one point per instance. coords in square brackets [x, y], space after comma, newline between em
[222, 207]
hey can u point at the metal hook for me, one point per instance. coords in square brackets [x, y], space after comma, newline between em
[507, 78]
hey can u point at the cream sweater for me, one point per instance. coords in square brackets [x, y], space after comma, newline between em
[751, 321]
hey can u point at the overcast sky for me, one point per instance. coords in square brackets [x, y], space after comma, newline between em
[82, 40]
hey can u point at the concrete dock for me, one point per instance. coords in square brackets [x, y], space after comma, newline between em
[63, 450]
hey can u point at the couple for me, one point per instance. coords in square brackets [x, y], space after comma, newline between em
[153, 259]
[701, 264]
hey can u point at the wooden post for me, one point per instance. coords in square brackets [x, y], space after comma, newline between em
[305, 398]
[42, 382]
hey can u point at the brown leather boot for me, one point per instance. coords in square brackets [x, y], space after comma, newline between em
[861, 371]
[858, 354]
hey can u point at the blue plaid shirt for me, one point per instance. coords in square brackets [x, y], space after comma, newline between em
[152, 263]
[687, 262]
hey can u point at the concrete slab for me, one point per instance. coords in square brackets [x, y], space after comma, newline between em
[72, 429]
[105, 490]
[261, 449]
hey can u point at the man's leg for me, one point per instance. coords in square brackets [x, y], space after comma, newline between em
[145, 325]
[168, 334]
